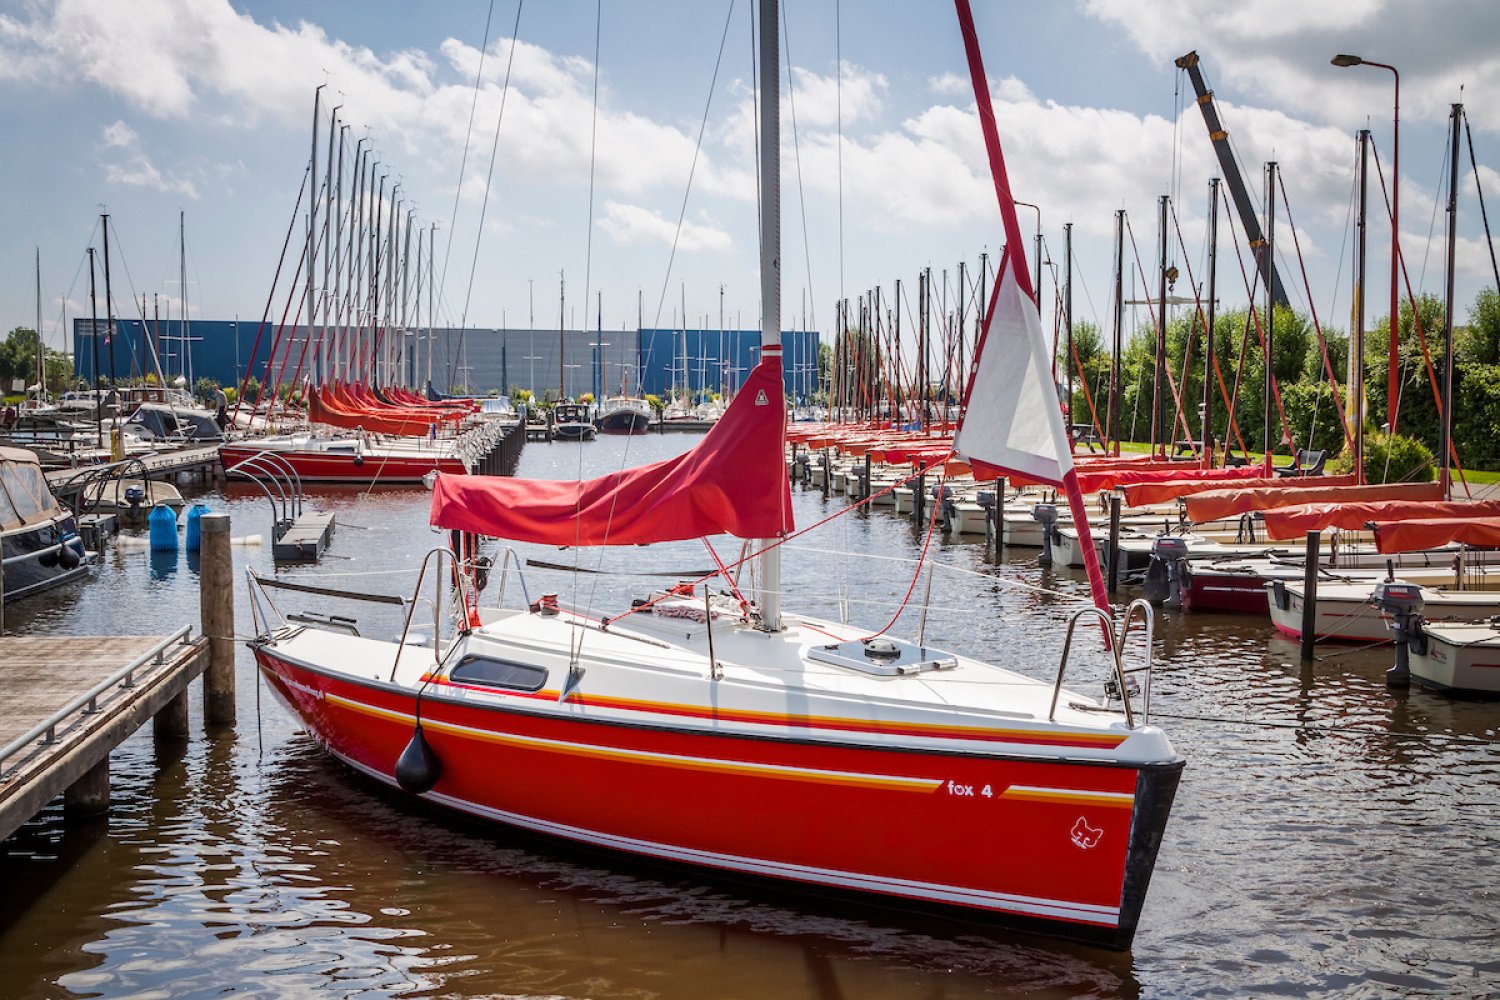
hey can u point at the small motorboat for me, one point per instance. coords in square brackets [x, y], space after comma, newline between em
[39, 543]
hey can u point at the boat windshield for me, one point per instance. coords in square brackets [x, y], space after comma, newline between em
[24, 496]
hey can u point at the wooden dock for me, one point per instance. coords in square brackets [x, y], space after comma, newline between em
[156, 465]
[66, 702]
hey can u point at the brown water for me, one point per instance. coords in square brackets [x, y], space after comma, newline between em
[1330, 838]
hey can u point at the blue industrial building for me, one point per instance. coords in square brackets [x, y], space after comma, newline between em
[477, 360]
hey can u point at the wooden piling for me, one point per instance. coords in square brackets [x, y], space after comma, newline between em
[171, 723]
[89, 795]
[1310, 596]
[999, 520]
[216, 607]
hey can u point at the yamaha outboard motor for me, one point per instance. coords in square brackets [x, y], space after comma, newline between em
[943, 497]
[1046, 513]
[1163, 583]
[1403, 602]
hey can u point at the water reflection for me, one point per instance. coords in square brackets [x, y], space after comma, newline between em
[1330, 836]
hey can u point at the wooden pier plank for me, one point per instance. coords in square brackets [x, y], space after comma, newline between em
[40, 675]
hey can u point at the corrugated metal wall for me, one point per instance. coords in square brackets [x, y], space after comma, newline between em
[477, 360]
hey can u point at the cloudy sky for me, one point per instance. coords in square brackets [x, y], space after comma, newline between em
[144, 108]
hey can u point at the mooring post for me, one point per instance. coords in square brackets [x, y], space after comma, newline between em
[1310, 596]
[1114, 543]
[827, 474]
[216, 606]
[999, 520]
[792, 473]
[919, 496]
[868, 470]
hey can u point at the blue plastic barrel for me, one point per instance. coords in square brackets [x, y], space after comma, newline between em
[163, 525]
[194, 530]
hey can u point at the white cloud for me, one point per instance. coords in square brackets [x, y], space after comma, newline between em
[635, 224]
[1278, 51]
[949, 84]
[125, 162]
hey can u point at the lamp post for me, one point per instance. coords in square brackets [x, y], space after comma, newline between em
[1037, 291]
[1392, 390]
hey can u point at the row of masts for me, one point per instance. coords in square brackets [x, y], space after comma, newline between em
[871, 378]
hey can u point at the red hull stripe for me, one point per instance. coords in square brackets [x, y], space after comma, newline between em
[1107, 741]
[1032, 906]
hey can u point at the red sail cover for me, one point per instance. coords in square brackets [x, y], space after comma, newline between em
[1215, 504]
[1140, 494]
[1431, 532]
[1108, 479]
[733, 481]
[1293, 522]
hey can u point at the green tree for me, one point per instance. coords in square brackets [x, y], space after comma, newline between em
[1479, 342]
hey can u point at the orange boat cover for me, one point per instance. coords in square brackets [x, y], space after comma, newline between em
[1293, 522]
[1431, 532]
[1215, 504]
[1141, 494]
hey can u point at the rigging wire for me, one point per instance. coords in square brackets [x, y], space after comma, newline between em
[693, 169]
[484, 203]
[468, 134]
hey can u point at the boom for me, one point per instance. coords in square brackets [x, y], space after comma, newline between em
[1231, 173]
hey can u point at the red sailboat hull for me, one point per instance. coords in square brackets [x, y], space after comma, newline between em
[1061, 842]
[346, 467]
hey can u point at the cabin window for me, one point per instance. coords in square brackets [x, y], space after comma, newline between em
[489, 672]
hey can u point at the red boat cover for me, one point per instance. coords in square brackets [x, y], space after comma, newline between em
[733, 481]
[1148, 493]
[1108, 479]
[1215, 504]
[1430, 532]
[1294, 522]
[323, 409]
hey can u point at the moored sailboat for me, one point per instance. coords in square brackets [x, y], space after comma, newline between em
[716, 730]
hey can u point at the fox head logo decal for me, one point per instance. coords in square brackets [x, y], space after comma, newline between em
[1086, 836]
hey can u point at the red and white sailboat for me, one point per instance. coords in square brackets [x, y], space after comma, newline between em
[718, 730]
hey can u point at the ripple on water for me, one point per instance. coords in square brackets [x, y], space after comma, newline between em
[1330, 838]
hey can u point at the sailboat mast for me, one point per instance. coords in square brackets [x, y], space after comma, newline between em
[94, 339]
[109, 310]
[1446, 444]
[1268, 249]
[562, 301]
[1117, 349]
[41, 368]
[1356, 381]
[312, 217]
[770, 262]
[1206, 418]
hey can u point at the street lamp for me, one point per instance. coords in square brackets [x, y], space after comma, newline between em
[1037, 291]
[1392, 390]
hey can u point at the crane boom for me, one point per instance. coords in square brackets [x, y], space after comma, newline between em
[1231, 171]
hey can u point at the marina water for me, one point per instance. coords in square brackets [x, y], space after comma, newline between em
[1330, 838]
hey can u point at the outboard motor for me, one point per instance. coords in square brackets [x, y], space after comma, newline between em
[799, 467]
[1403, 602]
[1163, 582]
[943, 496]
[1046, 513]
[986, 500]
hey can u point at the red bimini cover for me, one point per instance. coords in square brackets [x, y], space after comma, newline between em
[1148, 493]
[1431, 532]
[1293, 522]
[732, 482]
[1215, 504]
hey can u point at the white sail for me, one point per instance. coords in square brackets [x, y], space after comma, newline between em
[1011, 418]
